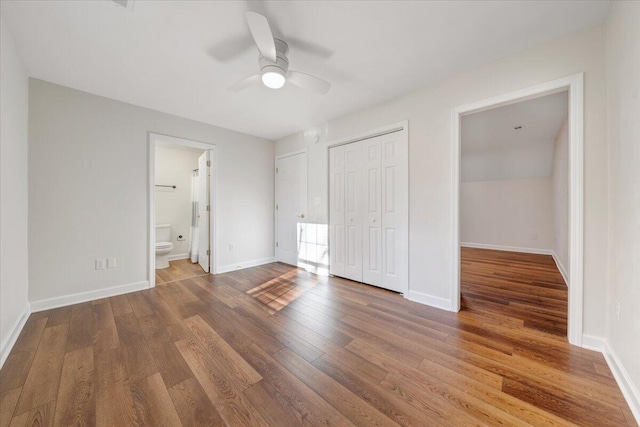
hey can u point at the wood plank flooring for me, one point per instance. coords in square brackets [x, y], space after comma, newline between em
[178, 270]
[274, 345]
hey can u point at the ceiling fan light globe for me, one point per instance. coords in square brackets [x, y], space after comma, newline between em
[273, 80]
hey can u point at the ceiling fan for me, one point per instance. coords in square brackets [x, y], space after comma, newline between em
[273, 62]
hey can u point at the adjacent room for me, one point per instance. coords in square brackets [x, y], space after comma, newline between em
[514, 222]
[354, 213]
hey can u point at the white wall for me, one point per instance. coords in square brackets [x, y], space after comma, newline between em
[13, 191]
[88, 181]
[508, 213]
[429, 115]
[174, 166]
[560, 177]
[623, 78]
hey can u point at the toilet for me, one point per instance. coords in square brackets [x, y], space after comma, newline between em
[163, 245]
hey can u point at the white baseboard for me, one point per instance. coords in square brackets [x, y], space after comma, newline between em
[628, 388]
[46, 304]
[594, 343]
[430, 300]
[14, 332]
[561, 269]
[507, 248]
[246, 264]
[176, 257]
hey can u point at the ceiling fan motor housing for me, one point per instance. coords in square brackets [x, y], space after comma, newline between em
[281, 66]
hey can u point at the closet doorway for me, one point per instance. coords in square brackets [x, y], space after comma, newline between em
[369, 209]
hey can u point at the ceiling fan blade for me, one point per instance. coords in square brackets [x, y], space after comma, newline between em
[244, 83]
[309, 82]
[261, 32]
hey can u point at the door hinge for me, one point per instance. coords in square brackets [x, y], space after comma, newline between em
[208, 208]
[276, 207]
[208, 163]
[276, 244]
[208, 251]
[276, 170]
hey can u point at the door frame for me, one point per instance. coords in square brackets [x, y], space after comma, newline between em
[403, 128]
[276, 192]
[213, 244]
[574, 84]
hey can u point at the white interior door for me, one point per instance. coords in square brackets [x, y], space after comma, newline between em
[353, 211]
[204, 174]
[395, 211]
[372, 207]
[291, 206]
[337, 261]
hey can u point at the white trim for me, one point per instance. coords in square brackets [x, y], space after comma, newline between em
[177, 257]
[213, 217]
[291, 153]
[623, 379]
[14, 332]
[562, 270]
[372, 133]
[507, 248]
[430, 300]
[46, 304]
[246, 264]
[575, 85]
[629, 389]
[591, 342]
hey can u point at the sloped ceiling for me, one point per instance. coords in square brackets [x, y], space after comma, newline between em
[493, 149]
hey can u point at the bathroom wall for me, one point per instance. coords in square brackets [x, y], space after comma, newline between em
[88, 192]
[174, 166]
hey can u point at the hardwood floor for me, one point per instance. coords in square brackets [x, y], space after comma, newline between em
[274, 345]
[178, 270]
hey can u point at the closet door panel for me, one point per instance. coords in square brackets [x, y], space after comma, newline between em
[372, 207]
[337, 232]
[395, 212]
[353, 211]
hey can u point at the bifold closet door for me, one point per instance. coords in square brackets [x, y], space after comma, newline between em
[395, 211]
[336, 212]
[369, 211]
[372, 206]
[345, 212]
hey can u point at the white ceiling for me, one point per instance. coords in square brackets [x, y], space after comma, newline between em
[174, 56]
[492, 149]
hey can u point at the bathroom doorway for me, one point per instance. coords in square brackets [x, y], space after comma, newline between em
[181, 209]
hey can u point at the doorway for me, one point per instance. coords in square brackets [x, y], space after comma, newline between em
[574, 85]
[291, 206]
[187, 229]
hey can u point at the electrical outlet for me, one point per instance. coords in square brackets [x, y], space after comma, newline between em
[99, 264]
[111, 263]
[618, 311]
[230, 247]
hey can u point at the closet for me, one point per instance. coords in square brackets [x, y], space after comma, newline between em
[369, 211]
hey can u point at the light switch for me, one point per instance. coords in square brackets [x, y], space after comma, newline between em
[111, 263]
[99, 264]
